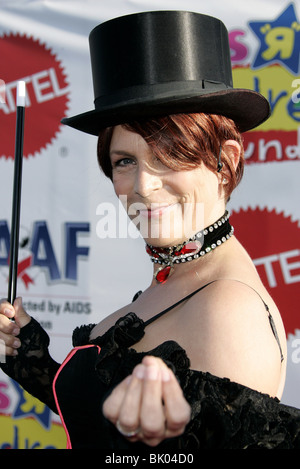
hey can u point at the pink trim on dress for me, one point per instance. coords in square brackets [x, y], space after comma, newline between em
[67, 359]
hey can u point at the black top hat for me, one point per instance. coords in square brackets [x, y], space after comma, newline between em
[164, 62]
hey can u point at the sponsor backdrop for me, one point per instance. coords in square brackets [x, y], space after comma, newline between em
[75, 266]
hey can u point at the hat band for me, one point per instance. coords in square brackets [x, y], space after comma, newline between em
[159, 91]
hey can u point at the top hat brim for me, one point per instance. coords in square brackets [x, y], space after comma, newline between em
[247, 108]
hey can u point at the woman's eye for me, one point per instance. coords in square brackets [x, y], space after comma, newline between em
[122, 162]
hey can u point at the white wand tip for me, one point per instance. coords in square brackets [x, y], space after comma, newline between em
[21, 93]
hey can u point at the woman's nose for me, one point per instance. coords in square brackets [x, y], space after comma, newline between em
[146, 182]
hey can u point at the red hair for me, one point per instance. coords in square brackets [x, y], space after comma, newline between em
[183, 141]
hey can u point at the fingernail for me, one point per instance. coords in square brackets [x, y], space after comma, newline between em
[165, 374]
[152, 373]
[16, 344]
[18, 301]
[16, 331]
[128, 379]
[8, 312]
[139, 371]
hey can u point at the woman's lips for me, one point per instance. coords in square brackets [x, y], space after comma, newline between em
[156, 210]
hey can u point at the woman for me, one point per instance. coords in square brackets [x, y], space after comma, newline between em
[198, 359]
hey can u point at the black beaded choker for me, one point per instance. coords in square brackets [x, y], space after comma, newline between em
[197, 246]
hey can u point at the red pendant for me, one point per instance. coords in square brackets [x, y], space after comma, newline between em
[163, 274]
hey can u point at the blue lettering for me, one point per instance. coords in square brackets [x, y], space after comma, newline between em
[42, 250]
[43, 254]
[72, 249]
[4, 243]
[16, 444]
[273, 102]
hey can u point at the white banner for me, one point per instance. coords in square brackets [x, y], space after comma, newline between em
[71, 270]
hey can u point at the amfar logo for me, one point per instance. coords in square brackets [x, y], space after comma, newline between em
[24, 58]
[37, 251]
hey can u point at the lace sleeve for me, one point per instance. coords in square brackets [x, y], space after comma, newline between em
[33, 368]
[228, 415]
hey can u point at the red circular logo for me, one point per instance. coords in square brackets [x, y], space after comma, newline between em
[272, 241]
[24, 58]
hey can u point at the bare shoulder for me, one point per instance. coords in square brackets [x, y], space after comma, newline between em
[237, 340]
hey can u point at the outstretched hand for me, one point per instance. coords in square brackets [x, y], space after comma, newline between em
[148, 405]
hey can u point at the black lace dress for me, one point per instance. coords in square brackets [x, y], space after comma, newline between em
[225, 415]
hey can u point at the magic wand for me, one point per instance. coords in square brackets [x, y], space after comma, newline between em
[16, 200]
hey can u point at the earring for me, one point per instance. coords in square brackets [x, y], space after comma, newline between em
[220, 164]
[224, 181]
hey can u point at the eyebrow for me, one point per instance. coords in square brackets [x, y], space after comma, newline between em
[121, 152]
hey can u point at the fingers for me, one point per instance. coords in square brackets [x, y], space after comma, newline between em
[129, 415]
[152, 418]
[112, 406]
[9, 344]
[6, 309]
[165, 412]
[21, 317]
[149, 401]
[177, 409]
[15, 311]
[123, 405]
[9, 330]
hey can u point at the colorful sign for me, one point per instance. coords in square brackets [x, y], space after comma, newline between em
[273, 72]
[29, 60]
[68, 274]
[29, 426]
[272, 68]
